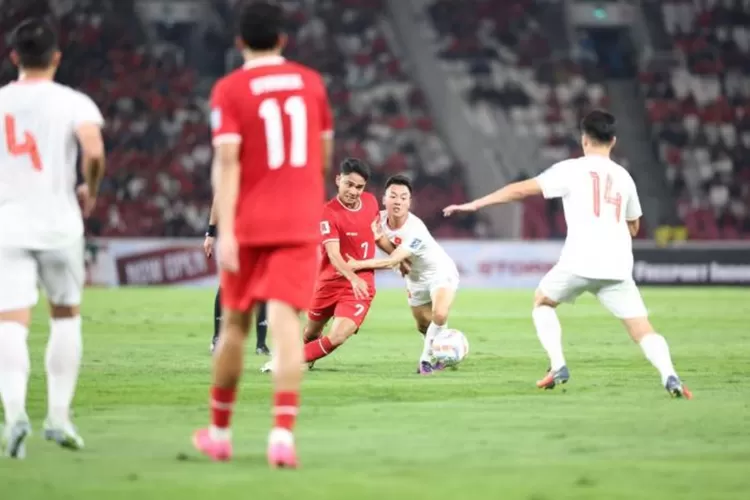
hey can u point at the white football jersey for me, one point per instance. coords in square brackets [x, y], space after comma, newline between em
[599, 197]
[428, 260]
[38, 205]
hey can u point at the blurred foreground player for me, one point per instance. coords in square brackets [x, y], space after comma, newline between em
[42, 229]
[261, 323]
[342, 293]
[603, 214]
[272, 131]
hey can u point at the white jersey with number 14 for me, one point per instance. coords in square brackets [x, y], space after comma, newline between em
[38, 154]
[599, 197]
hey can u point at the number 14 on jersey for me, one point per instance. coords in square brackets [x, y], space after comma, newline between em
[609, 198]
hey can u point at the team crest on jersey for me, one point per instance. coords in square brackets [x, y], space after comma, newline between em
[397, 241]
[325, 227]
[415, 243]
[216, 118]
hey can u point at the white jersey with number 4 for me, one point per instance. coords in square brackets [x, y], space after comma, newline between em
[599, 197]
[429, 262]
[38, 121]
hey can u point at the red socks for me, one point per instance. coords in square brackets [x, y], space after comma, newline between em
[285, 409]
[222, 405]
[318, 349]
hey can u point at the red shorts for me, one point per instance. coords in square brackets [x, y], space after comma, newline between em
[338, 301]
[283, 273]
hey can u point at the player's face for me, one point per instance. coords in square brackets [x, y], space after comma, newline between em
[350, 187]
[397, 200]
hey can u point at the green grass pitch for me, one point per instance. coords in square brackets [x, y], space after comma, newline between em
[371, 429]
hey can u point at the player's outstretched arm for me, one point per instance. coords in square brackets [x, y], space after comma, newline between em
[333, 250]
[396, 257]
[511, 192]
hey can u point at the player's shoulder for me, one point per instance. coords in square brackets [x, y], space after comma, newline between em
[415, 223]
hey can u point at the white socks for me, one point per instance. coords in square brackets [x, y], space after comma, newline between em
[63, 362]
[657, 352]
[549, 331]
[14, 369]
[432, 331]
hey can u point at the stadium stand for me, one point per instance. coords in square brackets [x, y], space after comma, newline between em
[153, 94]
[700, 113]
[514, 55]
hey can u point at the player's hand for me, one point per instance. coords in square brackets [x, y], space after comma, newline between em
[360, 288]
[377, 229]
[452, 209]
[405, 267]
[228, 254]
[208, 246]
[88, 202]
[353, 263]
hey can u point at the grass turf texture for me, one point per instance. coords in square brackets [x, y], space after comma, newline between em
[372, 429]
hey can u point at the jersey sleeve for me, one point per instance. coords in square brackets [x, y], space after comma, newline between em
[85, 111]
[633, 209]
[225, 123]
[555, 180]
[414, 241]
[329, 230]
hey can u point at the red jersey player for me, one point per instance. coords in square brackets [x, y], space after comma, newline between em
[272, 131]
[340, 292]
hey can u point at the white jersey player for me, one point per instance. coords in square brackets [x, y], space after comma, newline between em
[603, 213]
[432, 278]
[42, 228]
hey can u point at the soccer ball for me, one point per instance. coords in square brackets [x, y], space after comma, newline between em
[450, 347]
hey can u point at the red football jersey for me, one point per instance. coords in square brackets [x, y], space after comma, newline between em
[278, 111]
[353, 230]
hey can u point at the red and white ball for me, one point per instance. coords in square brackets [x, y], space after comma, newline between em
[450, 347]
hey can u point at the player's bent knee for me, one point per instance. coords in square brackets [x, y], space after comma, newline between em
[62, 312]
[439, 317]
[342, 329]
[542, 300]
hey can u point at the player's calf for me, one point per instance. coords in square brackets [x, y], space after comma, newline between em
[656, 350]
[284, 325]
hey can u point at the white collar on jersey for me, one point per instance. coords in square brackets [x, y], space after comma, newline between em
[263, 61]
[359, 206]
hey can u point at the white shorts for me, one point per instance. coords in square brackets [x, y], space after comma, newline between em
[621, 298]
[421, 293]
[61, 272]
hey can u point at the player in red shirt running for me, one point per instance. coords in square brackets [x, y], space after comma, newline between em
[272, 131]
[341, 293]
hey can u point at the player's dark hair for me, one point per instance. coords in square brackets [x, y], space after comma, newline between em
[355, 166]
[35, 42]
[399, 180]
[261, 24]
[600, 126]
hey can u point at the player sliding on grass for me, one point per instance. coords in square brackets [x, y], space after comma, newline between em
[603, 214]
[433, 279]
[342, 293]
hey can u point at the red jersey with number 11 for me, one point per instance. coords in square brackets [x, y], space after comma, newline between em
[277, 111]
[352, 228]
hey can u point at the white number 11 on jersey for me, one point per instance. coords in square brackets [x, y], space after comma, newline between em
[270, 111]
